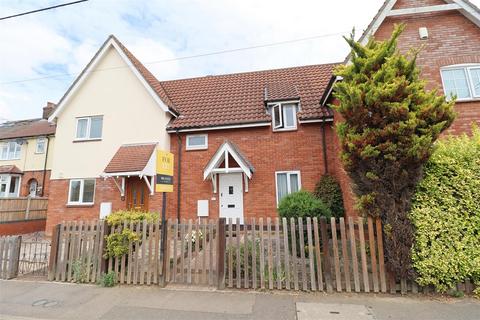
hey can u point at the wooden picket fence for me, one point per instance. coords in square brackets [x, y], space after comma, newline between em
[22, 209]
[9, 256]
[344, 255]
[192, 252]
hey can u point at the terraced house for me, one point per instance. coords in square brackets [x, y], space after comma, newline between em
[25, 164]
[241, 141]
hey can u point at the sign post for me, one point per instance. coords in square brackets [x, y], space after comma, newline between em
[164, 184]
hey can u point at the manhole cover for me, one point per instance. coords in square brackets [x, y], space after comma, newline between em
[45, 303]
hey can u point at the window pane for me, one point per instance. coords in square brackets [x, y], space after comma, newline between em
[282, 187]
[40, 145]
[456, 83]
[195, 141]
[277, 116]
[293, 182]
[74, 191]
[82, 128]
[14, 150]
[88, 190]
[13, 185]
[4, 151]
[289, 116]
[96, 127]
[476, 81]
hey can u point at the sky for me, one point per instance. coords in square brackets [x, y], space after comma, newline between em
[41, 54]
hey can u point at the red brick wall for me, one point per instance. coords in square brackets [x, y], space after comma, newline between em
[403, 4]
[38, 175]
[21, 227]
[105, 191]
[267, 151]
[453, 39]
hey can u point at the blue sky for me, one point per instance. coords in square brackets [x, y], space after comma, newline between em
[63, 40]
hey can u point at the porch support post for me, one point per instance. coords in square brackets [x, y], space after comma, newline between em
[246, 181]
[120, 188]
[149, 185]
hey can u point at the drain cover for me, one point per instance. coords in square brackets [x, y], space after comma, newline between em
[45, 303]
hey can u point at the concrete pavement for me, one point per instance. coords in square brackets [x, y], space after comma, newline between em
[27, 300]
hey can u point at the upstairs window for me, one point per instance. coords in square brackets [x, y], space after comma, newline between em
[40, 148]
[284, 116]
[10, 150]
[461, 81]
[197, 142]
[89, 128]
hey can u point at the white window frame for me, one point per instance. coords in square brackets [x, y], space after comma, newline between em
[289, 173]
[44, 141]
[89, 124]
[9, 151]
[80, 198]
[8, 184]
[467, 69]
[281, 105]
[199, 147]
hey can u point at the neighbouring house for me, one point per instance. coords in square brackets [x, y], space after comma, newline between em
[25, 161]
[241, 141]
[449, 34]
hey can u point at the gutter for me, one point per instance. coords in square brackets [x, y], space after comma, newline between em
[179, 174]
[45, 166]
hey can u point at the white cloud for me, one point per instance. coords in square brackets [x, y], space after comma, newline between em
[64, 40]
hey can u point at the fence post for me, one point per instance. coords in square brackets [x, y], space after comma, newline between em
[27, 210]
[106, 232]
[52, 262]
[221, 253]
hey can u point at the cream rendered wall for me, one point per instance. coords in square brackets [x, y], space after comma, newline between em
[29, 160]
[130, 115]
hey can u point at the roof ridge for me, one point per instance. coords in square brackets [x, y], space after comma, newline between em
[251, 72]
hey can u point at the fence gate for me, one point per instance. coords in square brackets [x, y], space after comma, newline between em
[34, 256]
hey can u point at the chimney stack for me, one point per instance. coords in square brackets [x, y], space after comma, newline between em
[48, 109]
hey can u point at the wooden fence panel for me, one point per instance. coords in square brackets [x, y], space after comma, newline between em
[9, 256]
[22, 209]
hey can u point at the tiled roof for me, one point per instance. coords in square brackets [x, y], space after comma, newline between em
[281, 91]
[148, 76]
[239, 98]
[26, 128]
[131, 158]
[9, 169]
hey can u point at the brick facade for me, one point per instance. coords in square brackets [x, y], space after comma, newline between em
[453, 39]
[39, 176]
[267, 151]
[21, 227]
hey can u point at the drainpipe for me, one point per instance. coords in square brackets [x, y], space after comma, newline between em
[45, 166]
[179, 174]
[324, 146]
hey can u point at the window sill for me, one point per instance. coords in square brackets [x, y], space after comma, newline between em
[80, 205]
[86, 140]
[196, 149]
[285, 129]
[467, 100]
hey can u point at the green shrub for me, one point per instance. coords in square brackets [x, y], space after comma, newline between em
[80, 269]
[328, 190]
[108, 279]
[302, 204]
[117, 243]
[118, 217]
[446, 215]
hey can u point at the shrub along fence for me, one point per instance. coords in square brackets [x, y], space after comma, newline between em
[276, 254]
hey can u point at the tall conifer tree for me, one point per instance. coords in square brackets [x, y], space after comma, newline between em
[390, 124]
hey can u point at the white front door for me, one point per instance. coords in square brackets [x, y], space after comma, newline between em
[231, 196]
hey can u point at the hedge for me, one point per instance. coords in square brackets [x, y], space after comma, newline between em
[446, 215]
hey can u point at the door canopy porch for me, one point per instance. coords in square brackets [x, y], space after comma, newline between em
[228, 159]
[132, 160]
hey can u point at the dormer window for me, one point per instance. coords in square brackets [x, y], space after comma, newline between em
[284, 116]
[462, 81]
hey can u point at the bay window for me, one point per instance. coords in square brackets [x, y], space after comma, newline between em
[9, 185]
